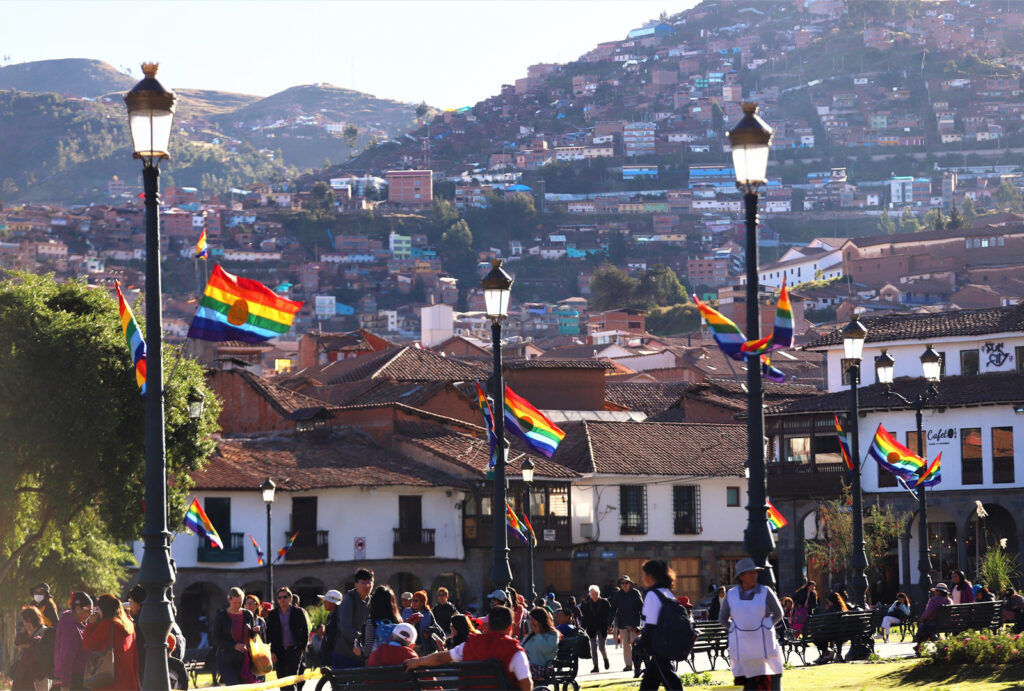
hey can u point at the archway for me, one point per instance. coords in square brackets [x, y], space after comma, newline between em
[199, 602]
[307, 588]
[403, 581]
[942, 543]
[456, 585]
[988, 533]
[257, 588]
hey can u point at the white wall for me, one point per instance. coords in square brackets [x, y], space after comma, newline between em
[347, 513]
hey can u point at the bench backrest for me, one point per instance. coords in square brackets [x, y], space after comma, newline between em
[968, 616]
[386, 677]
[461, 676]
[855, 624]
[822, 626]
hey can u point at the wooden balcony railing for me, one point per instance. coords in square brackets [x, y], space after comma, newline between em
[414, 543]
[307, 546]
[232, 550]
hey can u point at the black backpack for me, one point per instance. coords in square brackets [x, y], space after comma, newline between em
[673, 639]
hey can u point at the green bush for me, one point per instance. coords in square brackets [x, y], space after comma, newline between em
[698, 679]
[978, 648]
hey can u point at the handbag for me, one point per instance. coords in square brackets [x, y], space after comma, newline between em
[99, 668]
[259, 654]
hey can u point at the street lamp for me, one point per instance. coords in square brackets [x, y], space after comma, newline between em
[854, 335]
[528, 468]
[196, 399]
[497, 287]
[751, 141]
[931, 367]
[267, 488]
[150, 113]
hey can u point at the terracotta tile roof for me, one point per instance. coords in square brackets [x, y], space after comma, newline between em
[731, 394]
[556, 364]
[654, 448]
[469, 449]
[575, 351]
[917, 327]
[346, 458]
[982, 389]
[284, 401]
[397, 364]
[649, 397]
[370, 391]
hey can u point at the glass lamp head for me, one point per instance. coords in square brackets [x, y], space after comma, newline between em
[150, 113]
[751, 142]
[931, 364]
[528, 468]
[497, 285]
[885, 367]
[268, 488]
[854, 335]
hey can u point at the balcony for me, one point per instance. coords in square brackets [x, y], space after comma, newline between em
[414, 543]
[232, 550]
[307, 546]
[801, 480]
[550, 530]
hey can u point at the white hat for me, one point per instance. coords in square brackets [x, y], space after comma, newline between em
[332, 596]
[498, 594]
[405, 633]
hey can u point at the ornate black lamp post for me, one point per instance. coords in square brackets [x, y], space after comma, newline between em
[528, 469]
[931, 366]
[267, 489]
[497, 286]
[751, 143]
[150, 113]
[854, 335]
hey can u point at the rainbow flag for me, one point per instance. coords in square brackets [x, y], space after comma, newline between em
[782, 332]
[775, 518]
[199, 523]
[539, 433]
[528, 530]
[133, 336]
[933, 474]
[726, 334]
[240, 309]
[515, 528]
[893, 456]
[259, 552]
[202, 251]
[492, 439]
[844, 444]
[287, 546]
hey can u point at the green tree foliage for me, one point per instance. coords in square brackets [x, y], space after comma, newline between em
[969, 211]
[675, 319]
[611, 288]
[351, 135]
[908, 221]
[442, 215]
[72, 438]
[656, 286]
[457, 239]
[504, 219]
[934, 220]
[321, 200]
[885, 224]
[956, 219]
[422, 109]
[1008, 197]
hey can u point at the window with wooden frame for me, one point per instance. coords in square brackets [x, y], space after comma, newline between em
[632, 510]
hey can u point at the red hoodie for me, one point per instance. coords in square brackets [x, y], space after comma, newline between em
[390, 654]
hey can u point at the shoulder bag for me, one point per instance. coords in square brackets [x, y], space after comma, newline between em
[99, 668]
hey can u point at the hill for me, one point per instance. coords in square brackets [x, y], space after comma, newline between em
[70, 77]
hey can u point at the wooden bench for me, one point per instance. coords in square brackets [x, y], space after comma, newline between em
[455, 676]
[199, 661]
[832, 629]
[713, 639]
[973, 616]
[790, 641]
[567, 663]
[907, 627]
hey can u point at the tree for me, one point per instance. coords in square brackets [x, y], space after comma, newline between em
[351, 135]
[658, 286]
[457, 239]
[72, 438]
[422, 109]
[908, 221]
[885, 224]
[321, 200]
[1008, 197]
[935, 220]
[676, 319]
[970, 213]
[611, 288]
[956, 220]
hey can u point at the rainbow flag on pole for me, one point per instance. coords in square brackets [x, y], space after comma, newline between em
[782, 332]
[259, 552]
[202, 251]
[515, 528]
[775, 518]
[199, 523]
[287, 546]
[734, 344]
[539, 433]
[844, 444]
[895, 457]
[933, 475]
[133, 336]
[240, 309]
[492, 439]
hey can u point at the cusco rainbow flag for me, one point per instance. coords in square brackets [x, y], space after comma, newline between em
[287, 546]
[259, 552]
[731, 340]
[782, 331]
[133, 336]
[933, 475]
[492, 440]
[240, 309]
[202, 251]
[529, 424]
[844, 444]
[775, 518]
[199, 523]
[516, 529]
[895, 457]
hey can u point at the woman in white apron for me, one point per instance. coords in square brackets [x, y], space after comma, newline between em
[751, 611]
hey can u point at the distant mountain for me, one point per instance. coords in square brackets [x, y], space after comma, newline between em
[70, 77]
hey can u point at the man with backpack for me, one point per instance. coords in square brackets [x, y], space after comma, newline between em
[668, 631]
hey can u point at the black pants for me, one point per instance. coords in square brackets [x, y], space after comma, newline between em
[658, 672]
[289, 662]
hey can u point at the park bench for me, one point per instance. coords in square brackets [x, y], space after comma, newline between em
[908, 627]
[455, 676]
[832, 629]
[567, 663]
[713, 639]
[973, 616]
[790, 641]
[199, 661]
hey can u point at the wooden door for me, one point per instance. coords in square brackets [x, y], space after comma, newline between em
[557, 577]
[630, 566]
[304, 521]
[687, 577]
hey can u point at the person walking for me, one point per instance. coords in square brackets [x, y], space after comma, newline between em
[230, 634]
[596, 617]
[112, 628]
[444, 610]
[658, 579]
[69, 657]
[43, 601]
[288, 635]
[751, 611]
[254, 606]
[35, 656]
[332, 629]
[716, 603]
[625, 612]
[381, 618]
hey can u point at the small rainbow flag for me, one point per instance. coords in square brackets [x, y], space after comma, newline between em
[240, 309]
[259, 552]
[782, 333]
[775, 518]
[933, 475]
[287, 546]
[528, 530]
[515, 528]
[199, 523]
[528, 423]
[893, 456]
[844, 444]
[202, 251]
[492, 439]
[133, 336]
[725, 332]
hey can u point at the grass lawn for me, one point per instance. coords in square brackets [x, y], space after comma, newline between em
[907, 674]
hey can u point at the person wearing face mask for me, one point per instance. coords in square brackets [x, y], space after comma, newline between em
[42, 601]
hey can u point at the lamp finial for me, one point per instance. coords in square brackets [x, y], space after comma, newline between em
[149, 69]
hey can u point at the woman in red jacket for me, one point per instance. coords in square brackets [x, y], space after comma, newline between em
[112, 624]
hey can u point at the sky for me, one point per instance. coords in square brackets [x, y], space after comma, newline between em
[449, 53]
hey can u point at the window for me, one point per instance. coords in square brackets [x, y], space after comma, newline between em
[1018, 354]
[798, 449]
[732, 496]
[969, 362]
[942, 364]
[632, 510]
[970, 456]
[1002, 454]
[826, 449]
[218, 510]
[727, 569]
[912, 443]
[844, 367]
[686, 509]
